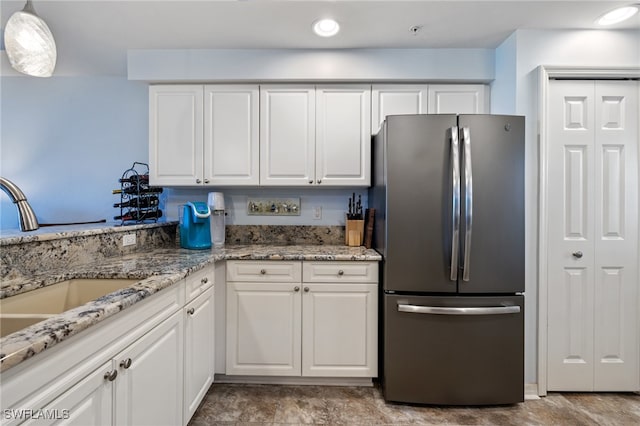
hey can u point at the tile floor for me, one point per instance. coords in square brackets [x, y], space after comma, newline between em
[227, 404]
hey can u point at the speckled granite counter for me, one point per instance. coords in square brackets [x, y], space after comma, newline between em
[157, 269]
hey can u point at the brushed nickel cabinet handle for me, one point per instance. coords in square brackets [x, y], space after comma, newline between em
[125, 363]
[204, 280]
[191, 311]
[340, 272]
[198, 181]
[111, 375]
[306, 289]
[310, 180]
[206, 181]
[296, 289]
[577, 254]
[263, 271]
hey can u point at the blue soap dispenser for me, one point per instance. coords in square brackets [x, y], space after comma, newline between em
[195, 226]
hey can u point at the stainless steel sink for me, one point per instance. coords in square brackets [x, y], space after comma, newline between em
[20, 311]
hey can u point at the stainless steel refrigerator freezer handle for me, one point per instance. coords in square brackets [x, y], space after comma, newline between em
[438, 310]
[468, 203]
[455, 203]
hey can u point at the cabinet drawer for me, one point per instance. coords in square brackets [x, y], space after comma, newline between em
[265, 271]
[198, 282]
[334, 272]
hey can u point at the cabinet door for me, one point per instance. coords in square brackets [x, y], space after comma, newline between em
[231, 120]
[149, 390]
[89, 402]
[263, 329]
[458, 99]
[199, 351]
[175, 135]
[343, 138]
[396, 99]
[287, 135]
[340, 330]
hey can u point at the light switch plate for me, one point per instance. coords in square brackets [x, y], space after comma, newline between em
[273, 206]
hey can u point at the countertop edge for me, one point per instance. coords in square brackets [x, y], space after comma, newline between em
[20, 346]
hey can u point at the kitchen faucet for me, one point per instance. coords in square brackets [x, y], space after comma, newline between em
[28, 221]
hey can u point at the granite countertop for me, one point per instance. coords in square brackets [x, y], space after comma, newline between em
[156, 269]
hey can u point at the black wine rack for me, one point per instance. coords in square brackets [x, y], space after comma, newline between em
[139, 202]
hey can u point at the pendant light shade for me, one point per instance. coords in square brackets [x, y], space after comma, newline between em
[29, 43]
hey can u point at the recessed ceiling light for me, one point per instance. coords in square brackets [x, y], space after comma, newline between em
[326, 27]
[617, 15]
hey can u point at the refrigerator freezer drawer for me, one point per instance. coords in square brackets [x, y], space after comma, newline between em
[453, 350]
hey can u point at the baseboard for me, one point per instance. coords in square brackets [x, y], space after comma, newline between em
[281, 380]
[531, 391]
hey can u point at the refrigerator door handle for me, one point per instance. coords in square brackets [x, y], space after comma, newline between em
[438, 310]
[455, 202]
[468, 203]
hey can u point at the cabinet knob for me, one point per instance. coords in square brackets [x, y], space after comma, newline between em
[111, 375]
[204, 280]
[577, 254]
[125, 363]
[206, 181]
[296, 289]
[319, 181]
[198, 181]
[191, 311]
[340, 272]
[263, 271]
[306, 289]
[311, 181]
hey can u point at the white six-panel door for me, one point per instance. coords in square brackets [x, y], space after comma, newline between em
[592, 322]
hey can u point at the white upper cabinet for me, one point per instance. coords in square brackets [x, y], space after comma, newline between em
[175, 135]
[343, 139]
[315, 135]
[203, 135]
[458, 99]
[231, 149]
[396, 99]
[287, 135]
[283, 135]
[399, 99]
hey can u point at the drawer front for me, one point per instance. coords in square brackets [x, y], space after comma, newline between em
[199, 282]
[265, 271]
[335, 272]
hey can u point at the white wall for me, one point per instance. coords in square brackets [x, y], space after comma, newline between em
[553, 48]
[65, 141]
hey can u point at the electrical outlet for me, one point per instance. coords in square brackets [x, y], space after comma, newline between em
[317, 212]
[128, 240]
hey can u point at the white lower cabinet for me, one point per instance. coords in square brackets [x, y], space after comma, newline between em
[88, 403]
[150, 365]
[199, 351]
[263, 329]
[148, 388]
[339, 330]
[125, 389]
[324, 327]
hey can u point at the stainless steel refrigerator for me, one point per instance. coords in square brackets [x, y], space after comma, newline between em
[449, 197]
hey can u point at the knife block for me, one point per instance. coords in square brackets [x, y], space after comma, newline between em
[354, 232]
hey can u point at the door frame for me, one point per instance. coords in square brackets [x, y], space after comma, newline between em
[545, 73]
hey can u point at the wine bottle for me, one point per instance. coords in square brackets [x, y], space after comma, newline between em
[140, 215]
[135, 190]
[135, 179]
[140, 202]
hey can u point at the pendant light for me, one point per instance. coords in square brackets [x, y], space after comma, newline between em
[29, 43]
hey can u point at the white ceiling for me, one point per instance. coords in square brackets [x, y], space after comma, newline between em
[93, 35]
